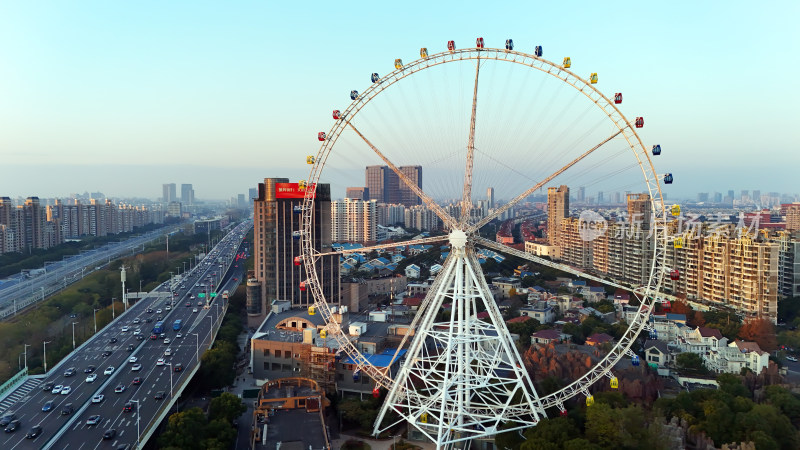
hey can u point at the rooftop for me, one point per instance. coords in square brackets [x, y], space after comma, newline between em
[295, 428]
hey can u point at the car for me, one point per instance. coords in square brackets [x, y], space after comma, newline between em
[109, 370]
[67, 409]
[136, 367]
[200, 303]
[194, 310]
[132, 359]
[128, 407]
[66, 390]
[47, 406]
[48, 386]
[91, 378]
[159, 318]
[70, 372]
[98, 398]
[125, 329]
[13, 425]
[191, 297]
[119, 389]
[178, 336]
[112, 341]
[130, 347]
[148, 320]
[168, 352]
[150, 310]
[34, 433]
[109, 434]
[6, 419]
[160, 395]
[137, 332]
[158, 311]
[166, 340]
[162, 335]
[93, 420]
[153, 336]
[57, 389]
[235, 279]
[791, 358]
[168, 307]
[178, 367]
[107, 353]
[137, 381]
[160, 362]
[188, 304]
[89, 369]
[136, 320]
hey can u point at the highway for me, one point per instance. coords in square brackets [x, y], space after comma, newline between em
[70, 431]
[20, 292]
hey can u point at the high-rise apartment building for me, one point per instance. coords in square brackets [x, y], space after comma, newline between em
[358, 193]
[490, 198]
[581, 194]
[386, 187]
[557, 210]
[354, 220]
[33, 216]
[421, 218]
[169, 192]
[277, 227]
[187, 194]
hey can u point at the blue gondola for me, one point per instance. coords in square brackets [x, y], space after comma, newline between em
[656, 150]
[375, 78]
[297, 209]
[538, 51]
[356, 376]
[296, 235]
[668, 178]
[353, 95]
[509, 44]
[635, 360]
[653, 334]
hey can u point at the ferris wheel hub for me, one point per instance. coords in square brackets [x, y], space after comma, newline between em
[458, 239]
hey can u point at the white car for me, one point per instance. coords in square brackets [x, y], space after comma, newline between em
[57, 389]
[178, 336]
[791, 358]
[166, 340]
[168, 307]
[91, 378]
[125, 329]
[194, 310]
[160, 362]
[136, 367]
[98, 398]
[137, 331]
[109, 370]
[158, 311]
[132, 359]
[66, 390]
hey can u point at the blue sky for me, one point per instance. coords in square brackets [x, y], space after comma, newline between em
[128, 96]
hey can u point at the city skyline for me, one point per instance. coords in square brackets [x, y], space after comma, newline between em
[90, 93]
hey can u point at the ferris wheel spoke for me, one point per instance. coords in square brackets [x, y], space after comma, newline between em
[466, 198]
[563, 267]
[540, 184]
[448, 220]
[428, 240]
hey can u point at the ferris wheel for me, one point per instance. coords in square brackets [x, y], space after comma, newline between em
[513, 123]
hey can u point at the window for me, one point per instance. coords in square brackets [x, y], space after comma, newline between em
[266, 352]
[276, 367]
[266, 366]
[287, 354]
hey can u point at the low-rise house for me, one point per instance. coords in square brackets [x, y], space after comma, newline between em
[545, 337]
[541, 311]
[658, 356]
[412, 271]
[598, 339]
[506, 284]
[736, 356]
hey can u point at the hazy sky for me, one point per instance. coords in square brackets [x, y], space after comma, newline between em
[121, 97]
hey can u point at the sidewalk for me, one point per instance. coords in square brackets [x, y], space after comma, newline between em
[379, 444]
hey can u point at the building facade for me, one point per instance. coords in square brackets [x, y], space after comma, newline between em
[354, 220]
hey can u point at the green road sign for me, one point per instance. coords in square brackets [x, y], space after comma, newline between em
[213, 294]
[201, 295]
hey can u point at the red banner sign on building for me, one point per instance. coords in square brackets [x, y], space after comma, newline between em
[291, 190]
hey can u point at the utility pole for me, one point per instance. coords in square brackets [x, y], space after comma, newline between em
[45, 356]
[124, 297]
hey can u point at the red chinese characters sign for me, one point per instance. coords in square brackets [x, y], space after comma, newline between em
[291, 190]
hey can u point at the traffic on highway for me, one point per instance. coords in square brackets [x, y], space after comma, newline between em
[121, 382]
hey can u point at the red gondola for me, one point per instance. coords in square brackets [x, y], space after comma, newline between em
[302, 286]
[639, 122]
[376, 392]
[675, 274]
[297, 260]
[321, 136]
[451, 45]
[618, 98]
[563, 413]
[479, 43]
[336, 114]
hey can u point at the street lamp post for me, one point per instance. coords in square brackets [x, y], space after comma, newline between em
[73, 335]
[45, 356]
[197, 348]
[138, 415]
[26, 355]
[210, 330]
[170, 379]
[95, 320]
[113, 315]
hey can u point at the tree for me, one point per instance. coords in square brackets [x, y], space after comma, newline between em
[691, 363]
[216, 365]
[226, 407]
[556, 431]
[761, 332]
[184, 429]
[601, 425]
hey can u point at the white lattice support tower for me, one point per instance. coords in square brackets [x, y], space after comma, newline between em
[463, 377]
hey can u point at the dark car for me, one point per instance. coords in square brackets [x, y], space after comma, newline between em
[89, 369]
[7, 419]
[70, 372]
[139, 337]
[128, 407]
[137, 381]
[178, 367]
[106, 353]
[35, 431]
[13, 426]
[130, 347]
[160, 395]
[67, 409]
[48, 386]
[113, 340]
[148, 320]
[47, 406]
[109, 434]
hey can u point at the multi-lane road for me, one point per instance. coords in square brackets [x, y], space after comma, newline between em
[109, 355]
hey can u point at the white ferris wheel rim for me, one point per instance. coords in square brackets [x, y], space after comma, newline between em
[646, 293]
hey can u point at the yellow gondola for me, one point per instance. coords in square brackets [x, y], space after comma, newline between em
[423, 418]
[301, 185]
[423, 52]
[398, 63]
[593, 78]
[323, 334]
[676, 210]
[312, 310]
[614, 383]
[590, 400]
[567, 62]
[678, 242]
[310, 159]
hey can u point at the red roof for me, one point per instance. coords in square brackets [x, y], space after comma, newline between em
[709, 332]
[519, 319]
[547, 334]
[412, 301]
[599, 338]
[482, 315]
